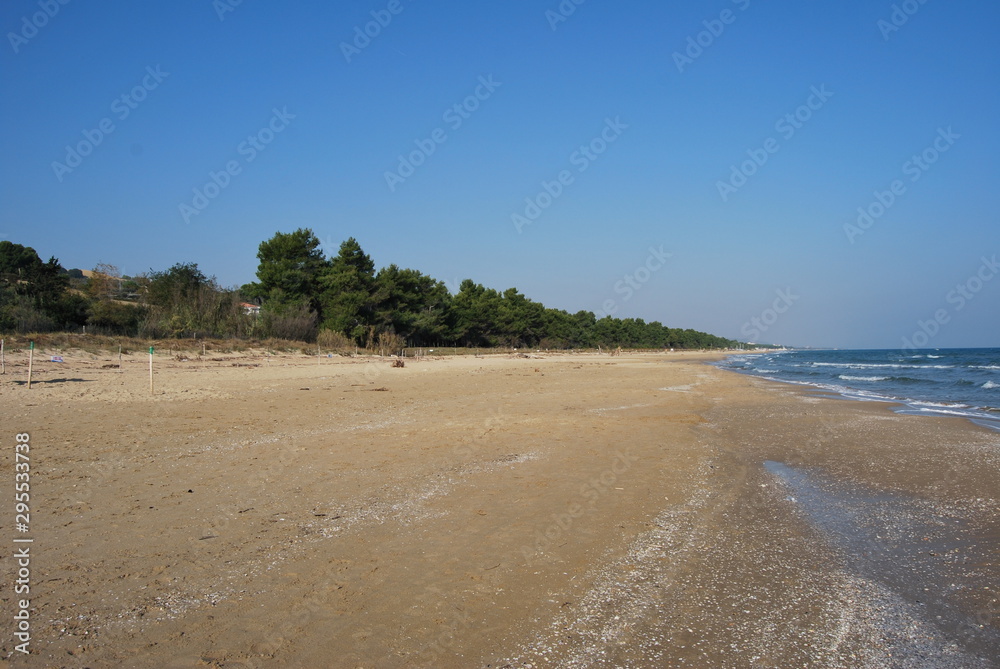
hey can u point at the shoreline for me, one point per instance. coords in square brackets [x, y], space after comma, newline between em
[907, 406]
[554, 510]
[901, 517]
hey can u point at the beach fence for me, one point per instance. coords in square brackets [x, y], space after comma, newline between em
[31, 357]
[31, 360]
[30, 381]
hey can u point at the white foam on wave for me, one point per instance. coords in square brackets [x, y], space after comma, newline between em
[990, 385]
[843, 391]
[856, 365]
[845, 377]
[877, 365]
[939, 405]
[964, 414]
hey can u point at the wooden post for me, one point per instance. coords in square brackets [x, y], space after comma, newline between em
[3, 360]
[120, 370]
[151, 370]
[31, 355]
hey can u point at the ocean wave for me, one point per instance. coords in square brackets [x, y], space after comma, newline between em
[877, 365]
[953, 386]
[948, 412]
[856, 365]
[938, 405]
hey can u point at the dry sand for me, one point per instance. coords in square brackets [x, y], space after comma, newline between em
[551, 511]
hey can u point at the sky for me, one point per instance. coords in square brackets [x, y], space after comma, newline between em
[804, 173]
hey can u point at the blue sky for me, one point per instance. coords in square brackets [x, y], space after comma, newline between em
[600, 87]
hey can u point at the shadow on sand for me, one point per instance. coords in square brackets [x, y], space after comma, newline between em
[35, 382]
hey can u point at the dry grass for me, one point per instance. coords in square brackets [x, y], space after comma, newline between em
[95, 344]
[59, 342]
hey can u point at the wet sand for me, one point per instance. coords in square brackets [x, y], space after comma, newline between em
[555, 510]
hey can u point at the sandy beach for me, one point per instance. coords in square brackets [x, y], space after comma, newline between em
[532, 510]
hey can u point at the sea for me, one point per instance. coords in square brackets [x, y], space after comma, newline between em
[946, 382]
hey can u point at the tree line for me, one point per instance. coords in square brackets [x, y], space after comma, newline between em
[340, 301]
